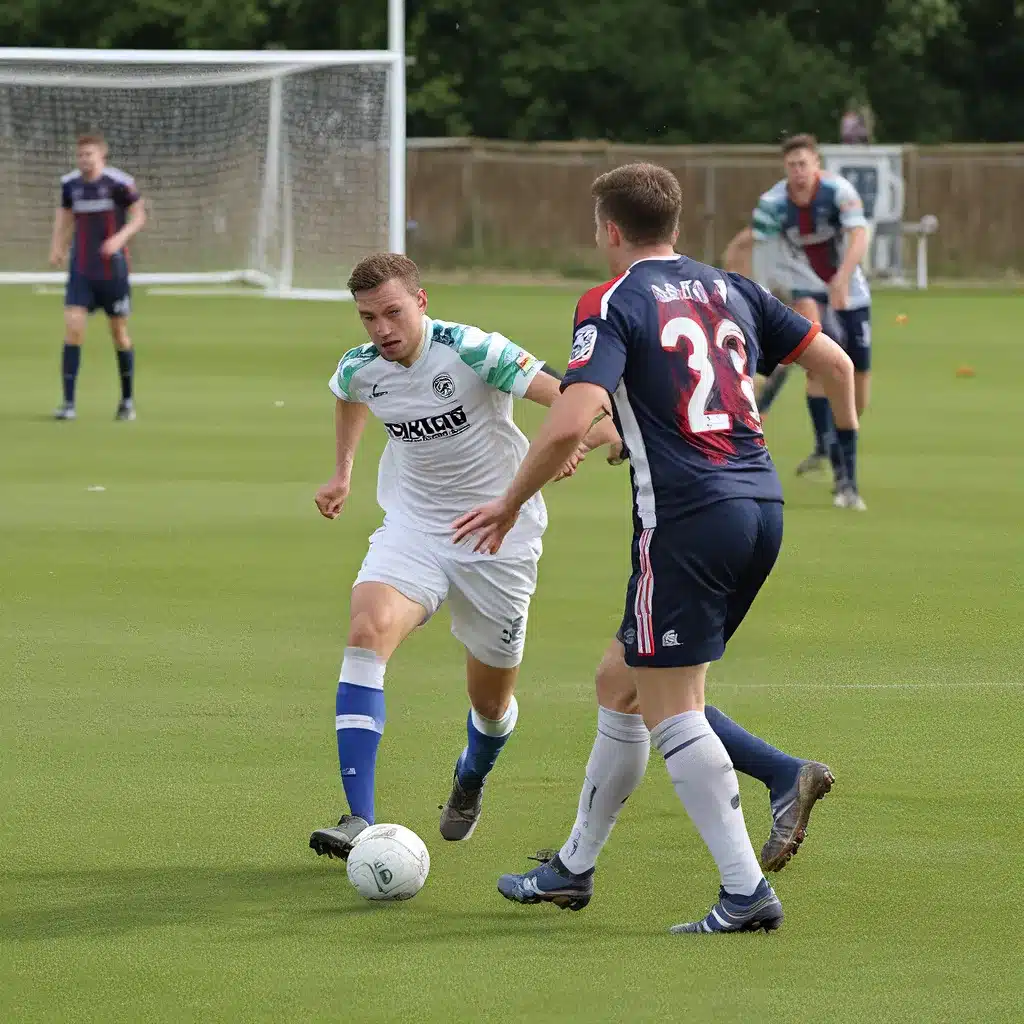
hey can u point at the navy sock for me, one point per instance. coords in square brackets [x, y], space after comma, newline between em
[825, 440]
[772, 387]
[847, 440]
[126, 370]
[484, 741]
[359, 721]
[821, 421]
[71, 359]
[752, 756]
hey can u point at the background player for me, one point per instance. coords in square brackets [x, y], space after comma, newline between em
[444, 393]
[814, 225]
[671, 341]
[100, 211]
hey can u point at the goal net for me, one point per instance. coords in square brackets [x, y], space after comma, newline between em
[274, 169]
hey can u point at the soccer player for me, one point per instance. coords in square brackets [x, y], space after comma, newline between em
[815, 225]
[671, 342]
[444, 393]
[100, 211]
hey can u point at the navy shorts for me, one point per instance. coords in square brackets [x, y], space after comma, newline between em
[854, 328]
[112, 295]
[694, 580]
[856, 336]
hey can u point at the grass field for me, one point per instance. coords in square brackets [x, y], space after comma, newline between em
[171, 644]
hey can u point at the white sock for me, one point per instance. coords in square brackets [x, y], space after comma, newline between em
[705, 781]
[617, 763]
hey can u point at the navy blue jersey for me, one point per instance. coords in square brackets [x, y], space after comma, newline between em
[676, 344]
[100, 208]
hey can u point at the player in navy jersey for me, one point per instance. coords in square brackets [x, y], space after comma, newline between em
[100, 211]
[670, 346]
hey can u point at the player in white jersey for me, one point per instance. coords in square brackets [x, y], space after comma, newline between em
[444, 392]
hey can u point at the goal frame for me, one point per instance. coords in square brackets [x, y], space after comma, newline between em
[275, 199]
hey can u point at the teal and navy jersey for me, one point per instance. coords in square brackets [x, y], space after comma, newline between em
[100, 209]
[811, 237]
[676, 343]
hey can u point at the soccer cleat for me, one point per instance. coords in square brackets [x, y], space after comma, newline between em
[339, 840]
[812, 464]
[460, 815]
[125, 410]
[792, 811]
[65, 412]
[549, 882]
[760, 911]
[847, 497]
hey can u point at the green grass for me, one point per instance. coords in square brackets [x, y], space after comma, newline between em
[170, 647]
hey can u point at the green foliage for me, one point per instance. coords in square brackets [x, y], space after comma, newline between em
[624, 70]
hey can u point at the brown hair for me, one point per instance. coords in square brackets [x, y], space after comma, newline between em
[374, 270]
[91, 139]
[644, 200]
[802, 141]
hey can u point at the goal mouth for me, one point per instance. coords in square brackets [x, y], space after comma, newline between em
[269, 170]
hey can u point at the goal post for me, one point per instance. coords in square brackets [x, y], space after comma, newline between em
[275, 169]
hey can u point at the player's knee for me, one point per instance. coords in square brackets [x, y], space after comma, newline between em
[371, 630]
[491, 706]
[614, 685]
[119, 333]
[74, 330]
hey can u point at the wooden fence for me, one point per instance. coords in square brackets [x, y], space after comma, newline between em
[519, 205]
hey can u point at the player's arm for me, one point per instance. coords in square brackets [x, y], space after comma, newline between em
[349, 424]
[135, 222]
[855, 229]
[829, 364]
[63, 223]
[595, 369]
[787, 337]
[350, 416]
[739, 253]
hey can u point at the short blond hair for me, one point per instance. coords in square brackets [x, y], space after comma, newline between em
[374, 270]
[644, 200]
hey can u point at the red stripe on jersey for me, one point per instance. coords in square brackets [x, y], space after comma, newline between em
[813, 332]
[590, 302]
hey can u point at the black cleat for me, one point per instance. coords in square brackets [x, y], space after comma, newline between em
[792, 812]
[339, 840]
[460, 815]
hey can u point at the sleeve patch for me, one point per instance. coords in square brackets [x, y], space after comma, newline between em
[583, 342]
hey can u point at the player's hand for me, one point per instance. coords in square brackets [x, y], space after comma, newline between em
[56, 257]
[330, 499]
[573, 463]
[111, 247]
[838, 293]
[617, 453]
[490, 523]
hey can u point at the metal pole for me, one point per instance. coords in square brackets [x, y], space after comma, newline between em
[396, 126]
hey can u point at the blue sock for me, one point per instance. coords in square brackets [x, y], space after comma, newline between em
[126, 371]
[359, 723]
[71, 359]
[772, 387]
[752, 756]
[485, 738]
[847, 440]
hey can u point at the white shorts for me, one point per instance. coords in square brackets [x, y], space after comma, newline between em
[489, 595]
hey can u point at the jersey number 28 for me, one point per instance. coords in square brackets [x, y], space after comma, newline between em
[702, 421]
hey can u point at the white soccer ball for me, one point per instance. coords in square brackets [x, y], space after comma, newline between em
[388, 862]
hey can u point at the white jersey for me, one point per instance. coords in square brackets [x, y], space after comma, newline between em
[452, 443]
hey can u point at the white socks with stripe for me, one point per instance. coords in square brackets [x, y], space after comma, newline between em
[705, 781]
[617, 763]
